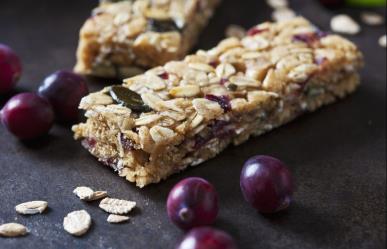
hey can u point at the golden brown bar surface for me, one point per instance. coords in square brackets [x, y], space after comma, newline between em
[186, 112]
[123, 38]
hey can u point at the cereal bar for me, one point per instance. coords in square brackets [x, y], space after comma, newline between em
[186, 112]
[122, 38]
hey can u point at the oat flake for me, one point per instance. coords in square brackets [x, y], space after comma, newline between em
[77, 222]
[31, 207]
[344, 24]
[114, 218]
[12, 230]
[117, 206]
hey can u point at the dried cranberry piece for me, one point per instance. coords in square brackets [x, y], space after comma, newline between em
[223, 101]
[219, 129]
[111, 162]
[164, 76]
[89, 143]
[222, 129]
[223, 81]
[214, 63]
[321, 60]
[310, 38]
[255, 30]
[126, 143]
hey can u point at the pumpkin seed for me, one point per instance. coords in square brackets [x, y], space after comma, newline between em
[123, 96]
[162, 26]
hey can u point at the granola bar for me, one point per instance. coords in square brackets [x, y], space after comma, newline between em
[186, 112]
[122, 38]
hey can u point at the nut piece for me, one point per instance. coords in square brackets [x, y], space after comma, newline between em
[113, 218]
[116, 206]
[344, 24]
[87, 194]
[12, 230]
[77, 222]
[31, 207]
[382, 41]
[372, 18]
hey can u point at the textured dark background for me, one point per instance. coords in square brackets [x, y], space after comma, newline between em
[337, 155]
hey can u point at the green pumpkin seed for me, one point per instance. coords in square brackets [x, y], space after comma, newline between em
[123, 96]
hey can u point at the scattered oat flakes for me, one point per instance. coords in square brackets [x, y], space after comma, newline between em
[114, 218]
[87, 194]
[116, 206]
[283, 14]
[344, 24]
[235, 31]
[12, 230]
[382, 41]
[372, 18]
[277, 4]
[77, 222]
[31, 207]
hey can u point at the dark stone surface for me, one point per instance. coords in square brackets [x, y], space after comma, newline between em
[337, 155]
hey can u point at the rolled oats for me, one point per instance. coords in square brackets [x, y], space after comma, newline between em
[116, 206]
[87, 194]
[113, 218]
[125, 35]
[283, 14]
[31, 207]
[277, 4]
[241, 88]
[235, 31]
[344, 24]
[185, 91]
[12, 230]
[372, 18]
[382, 41]
[77, 223]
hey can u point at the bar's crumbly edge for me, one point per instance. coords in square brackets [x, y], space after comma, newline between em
[241, 88]
[123, 39]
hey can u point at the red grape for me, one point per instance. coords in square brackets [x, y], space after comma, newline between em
[64, 90]
[266, 184]
[10, 68]
[207, 238]
[27, 115]
[192, 202]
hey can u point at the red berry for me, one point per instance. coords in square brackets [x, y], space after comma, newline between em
[64, 90]
[10, 68]
[207, 238]
[27, 115]
[192, 202]
[266, 184]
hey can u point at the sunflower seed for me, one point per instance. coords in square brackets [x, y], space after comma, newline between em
[77, 222]
[113, 218]
[31, 207]
[12, 230]
[116, 206]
